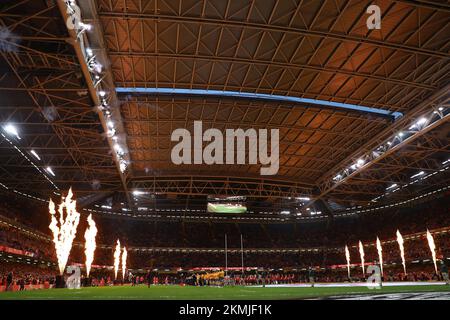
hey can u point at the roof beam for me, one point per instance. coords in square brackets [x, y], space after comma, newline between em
[326, 184]
[88, 9]
[276, 28]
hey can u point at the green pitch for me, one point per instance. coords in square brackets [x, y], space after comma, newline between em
[205, 293]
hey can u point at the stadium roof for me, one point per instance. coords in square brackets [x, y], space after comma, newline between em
[360, 112]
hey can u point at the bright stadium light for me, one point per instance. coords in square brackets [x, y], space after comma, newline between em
[123, 166]
[360, 162]
[137, 193]
[303, 198]
[392, 186]
[421, 173]
[11, 130]
[35, 154]
[118, 148]
[89, 52]
[419, 123]
[85, 26]
[50, 170]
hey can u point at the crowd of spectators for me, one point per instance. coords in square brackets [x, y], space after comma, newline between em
[324, 239]
[24, 274]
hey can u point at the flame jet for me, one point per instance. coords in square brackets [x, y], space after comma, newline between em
[63, 228]
[361, 253]
[380, 254]
[432, 248]
[347, 256]
[116, 259]
[402, 249]
[90, 245]
[124, 262]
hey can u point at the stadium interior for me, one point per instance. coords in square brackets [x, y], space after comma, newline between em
[92, 91]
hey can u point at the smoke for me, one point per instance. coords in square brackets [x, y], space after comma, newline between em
[8, 40]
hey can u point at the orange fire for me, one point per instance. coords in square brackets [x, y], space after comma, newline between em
[380, 254]
[361, 253]
[347, 256]
[402, 249]
[124, 262]
[63, 228]
[432, 249]
[90, 245]
[116, 259]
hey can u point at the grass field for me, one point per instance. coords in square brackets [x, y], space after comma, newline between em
[206, 293]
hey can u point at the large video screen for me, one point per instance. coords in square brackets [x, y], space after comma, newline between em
[226, 208]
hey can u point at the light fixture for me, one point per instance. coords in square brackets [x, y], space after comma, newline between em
[111, 132]
[421, 121]
[35, 154]
[98, 67]
[418, 123]
[84, 26]
[89, 52]
[118, 148]
[421, 173]
[11, 130]
[49, 170]
[392, 186]
[123, 166]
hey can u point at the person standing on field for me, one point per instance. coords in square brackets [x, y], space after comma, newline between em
[444, 272]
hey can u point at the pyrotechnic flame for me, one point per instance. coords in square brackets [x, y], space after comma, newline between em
[63, 228]
[432, 248]
[361, 253]
[90, 245]
[402, 249]
[124, 262]
[380, 254]
[347, 256]
[116, 259]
